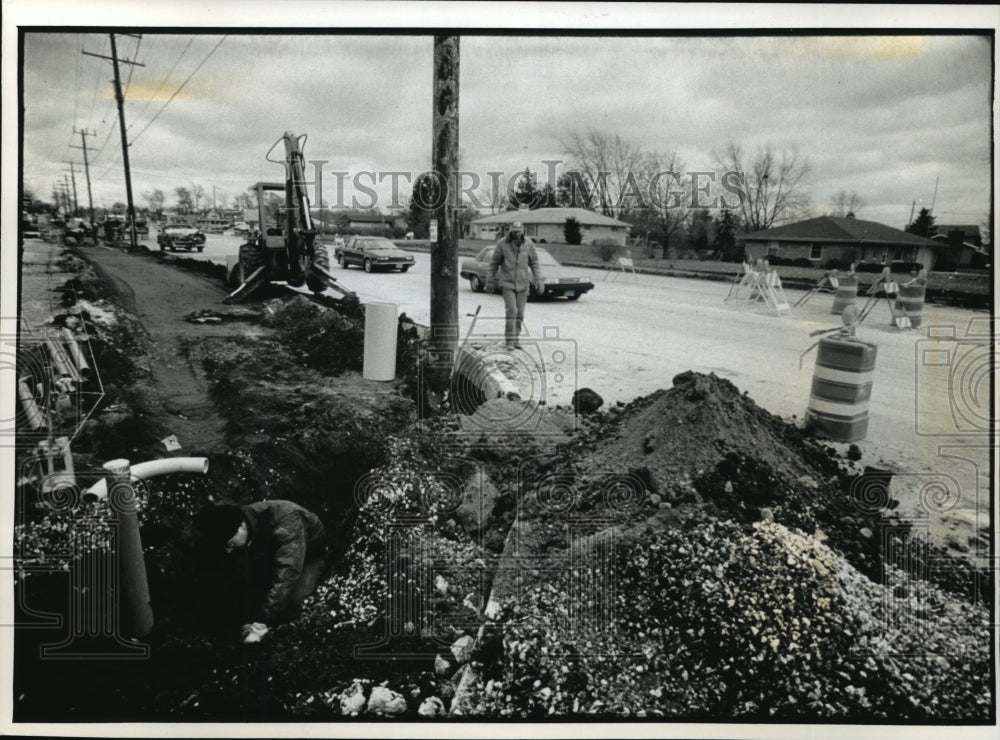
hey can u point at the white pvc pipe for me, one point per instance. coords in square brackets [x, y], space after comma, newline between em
[381, 327]
[151, 469]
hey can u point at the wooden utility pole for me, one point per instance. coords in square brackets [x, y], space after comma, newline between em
[72, 173]
[121, 124]
[86, 168]
[444, 158]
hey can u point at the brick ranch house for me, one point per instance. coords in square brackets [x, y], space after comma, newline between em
[842, 238]
[547, 225]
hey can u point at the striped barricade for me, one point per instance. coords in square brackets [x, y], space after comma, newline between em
[846, 295]
[910, 303]
[841, 389]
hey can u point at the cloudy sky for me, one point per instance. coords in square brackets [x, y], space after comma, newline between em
[887, 116]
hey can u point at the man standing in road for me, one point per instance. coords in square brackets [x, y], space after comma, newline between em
[280, 550]
[515, 263]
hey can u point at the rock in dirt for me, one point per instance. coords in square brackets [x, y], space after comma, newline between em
[441, 666]
[431, 707]
[353, 700]
[385, 701]
[479, 499]
[462, 649]
[587, 401]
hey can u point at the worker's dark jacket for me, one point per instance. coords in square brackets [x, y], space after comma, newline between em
[288, 536]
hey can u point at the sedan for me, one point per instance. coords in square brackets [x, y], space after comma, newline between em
[373, 253]
[558, 280]
[178, 236]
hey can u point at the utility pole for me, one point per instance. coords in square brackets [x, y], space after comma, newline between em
[444, 164]
[72, 172]
[86, 167]
[121, 124]
[69, 203]
[934, 199]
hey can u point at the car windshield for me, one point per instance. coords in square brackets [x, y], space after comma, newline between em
[544, 258]
[380, 245]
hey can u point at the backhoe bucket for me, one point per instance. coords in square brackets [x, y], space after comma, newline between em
[332, 282]
[257, 278]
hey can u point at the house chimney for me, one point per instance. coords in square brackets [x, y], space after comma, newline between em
[850, 214]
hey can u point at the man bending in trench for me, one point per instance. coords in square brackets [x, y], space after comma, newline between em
[280, 551]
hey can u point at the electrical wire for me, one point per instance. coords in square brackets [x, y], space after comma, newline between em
[162, 83]
[202, 62]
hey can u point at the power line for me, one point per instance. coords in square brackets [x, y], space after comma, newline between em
[163, 81]
[134, 138]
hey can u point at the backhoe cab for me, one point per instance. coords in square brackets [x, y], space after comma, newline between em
[284, 246]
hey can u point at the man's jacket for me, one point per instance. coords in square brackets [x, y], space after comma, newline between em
[289, 536]
[514, 267]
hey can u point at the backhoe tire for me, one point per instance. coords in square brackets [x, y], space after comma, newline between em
[251, 257]
[321, 258]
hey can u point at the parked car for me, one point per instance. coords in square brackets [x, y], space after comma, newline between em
[179, 236]
[372, 253]
[558, 280]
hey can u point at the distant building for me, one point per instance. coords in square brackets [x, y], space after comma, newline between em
[960, 246]
[548, 225]
[846, 238]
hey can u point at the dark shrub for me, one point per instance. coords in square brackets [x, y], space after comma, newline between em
[572, 232]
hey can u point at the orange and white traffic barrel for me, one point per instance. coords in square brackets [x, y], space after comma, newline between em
[841, 389]
[911, 300]
[846, 295]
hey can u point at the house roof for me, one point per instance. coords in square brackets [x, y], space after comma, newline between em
[551, 216]
[833, 229]
[971, 232]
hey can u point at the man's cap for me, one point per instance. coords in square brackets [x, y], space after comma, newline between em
[217, 524]
[517, 226]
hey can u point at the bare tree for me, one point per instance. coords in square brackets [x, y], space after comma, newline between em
[773, 185]
[492, 195]
[666, 187]
[197, 193]
[156, 200]
[844, 203]
[607, 166]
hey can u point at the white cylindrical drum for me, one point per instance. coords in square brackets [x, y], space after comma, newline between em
[381, 320]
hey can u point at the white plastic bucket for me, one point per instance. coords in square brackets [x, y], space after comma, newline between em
[381, 320]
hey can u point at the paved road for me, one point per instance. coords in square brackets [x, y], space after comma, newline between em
[629, 337]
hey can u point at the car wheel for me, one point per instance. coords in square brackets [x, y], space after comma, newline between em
[404, 268]
[476, 284]
[201, 248]
[368, 265]
[173, 248]
[573, 296]
[341, 261]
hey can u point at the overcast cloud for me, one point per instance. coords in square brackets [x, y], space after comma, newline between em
[885, 116]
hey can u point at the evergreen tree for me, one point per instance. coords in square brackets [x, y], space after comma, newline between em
[923, 224]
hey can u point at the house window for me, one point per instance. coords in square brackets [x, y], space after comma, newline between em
[531, 229]
[899, 253]
[885, 256]
[815, 251]
[772, 250]
[587, 227]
